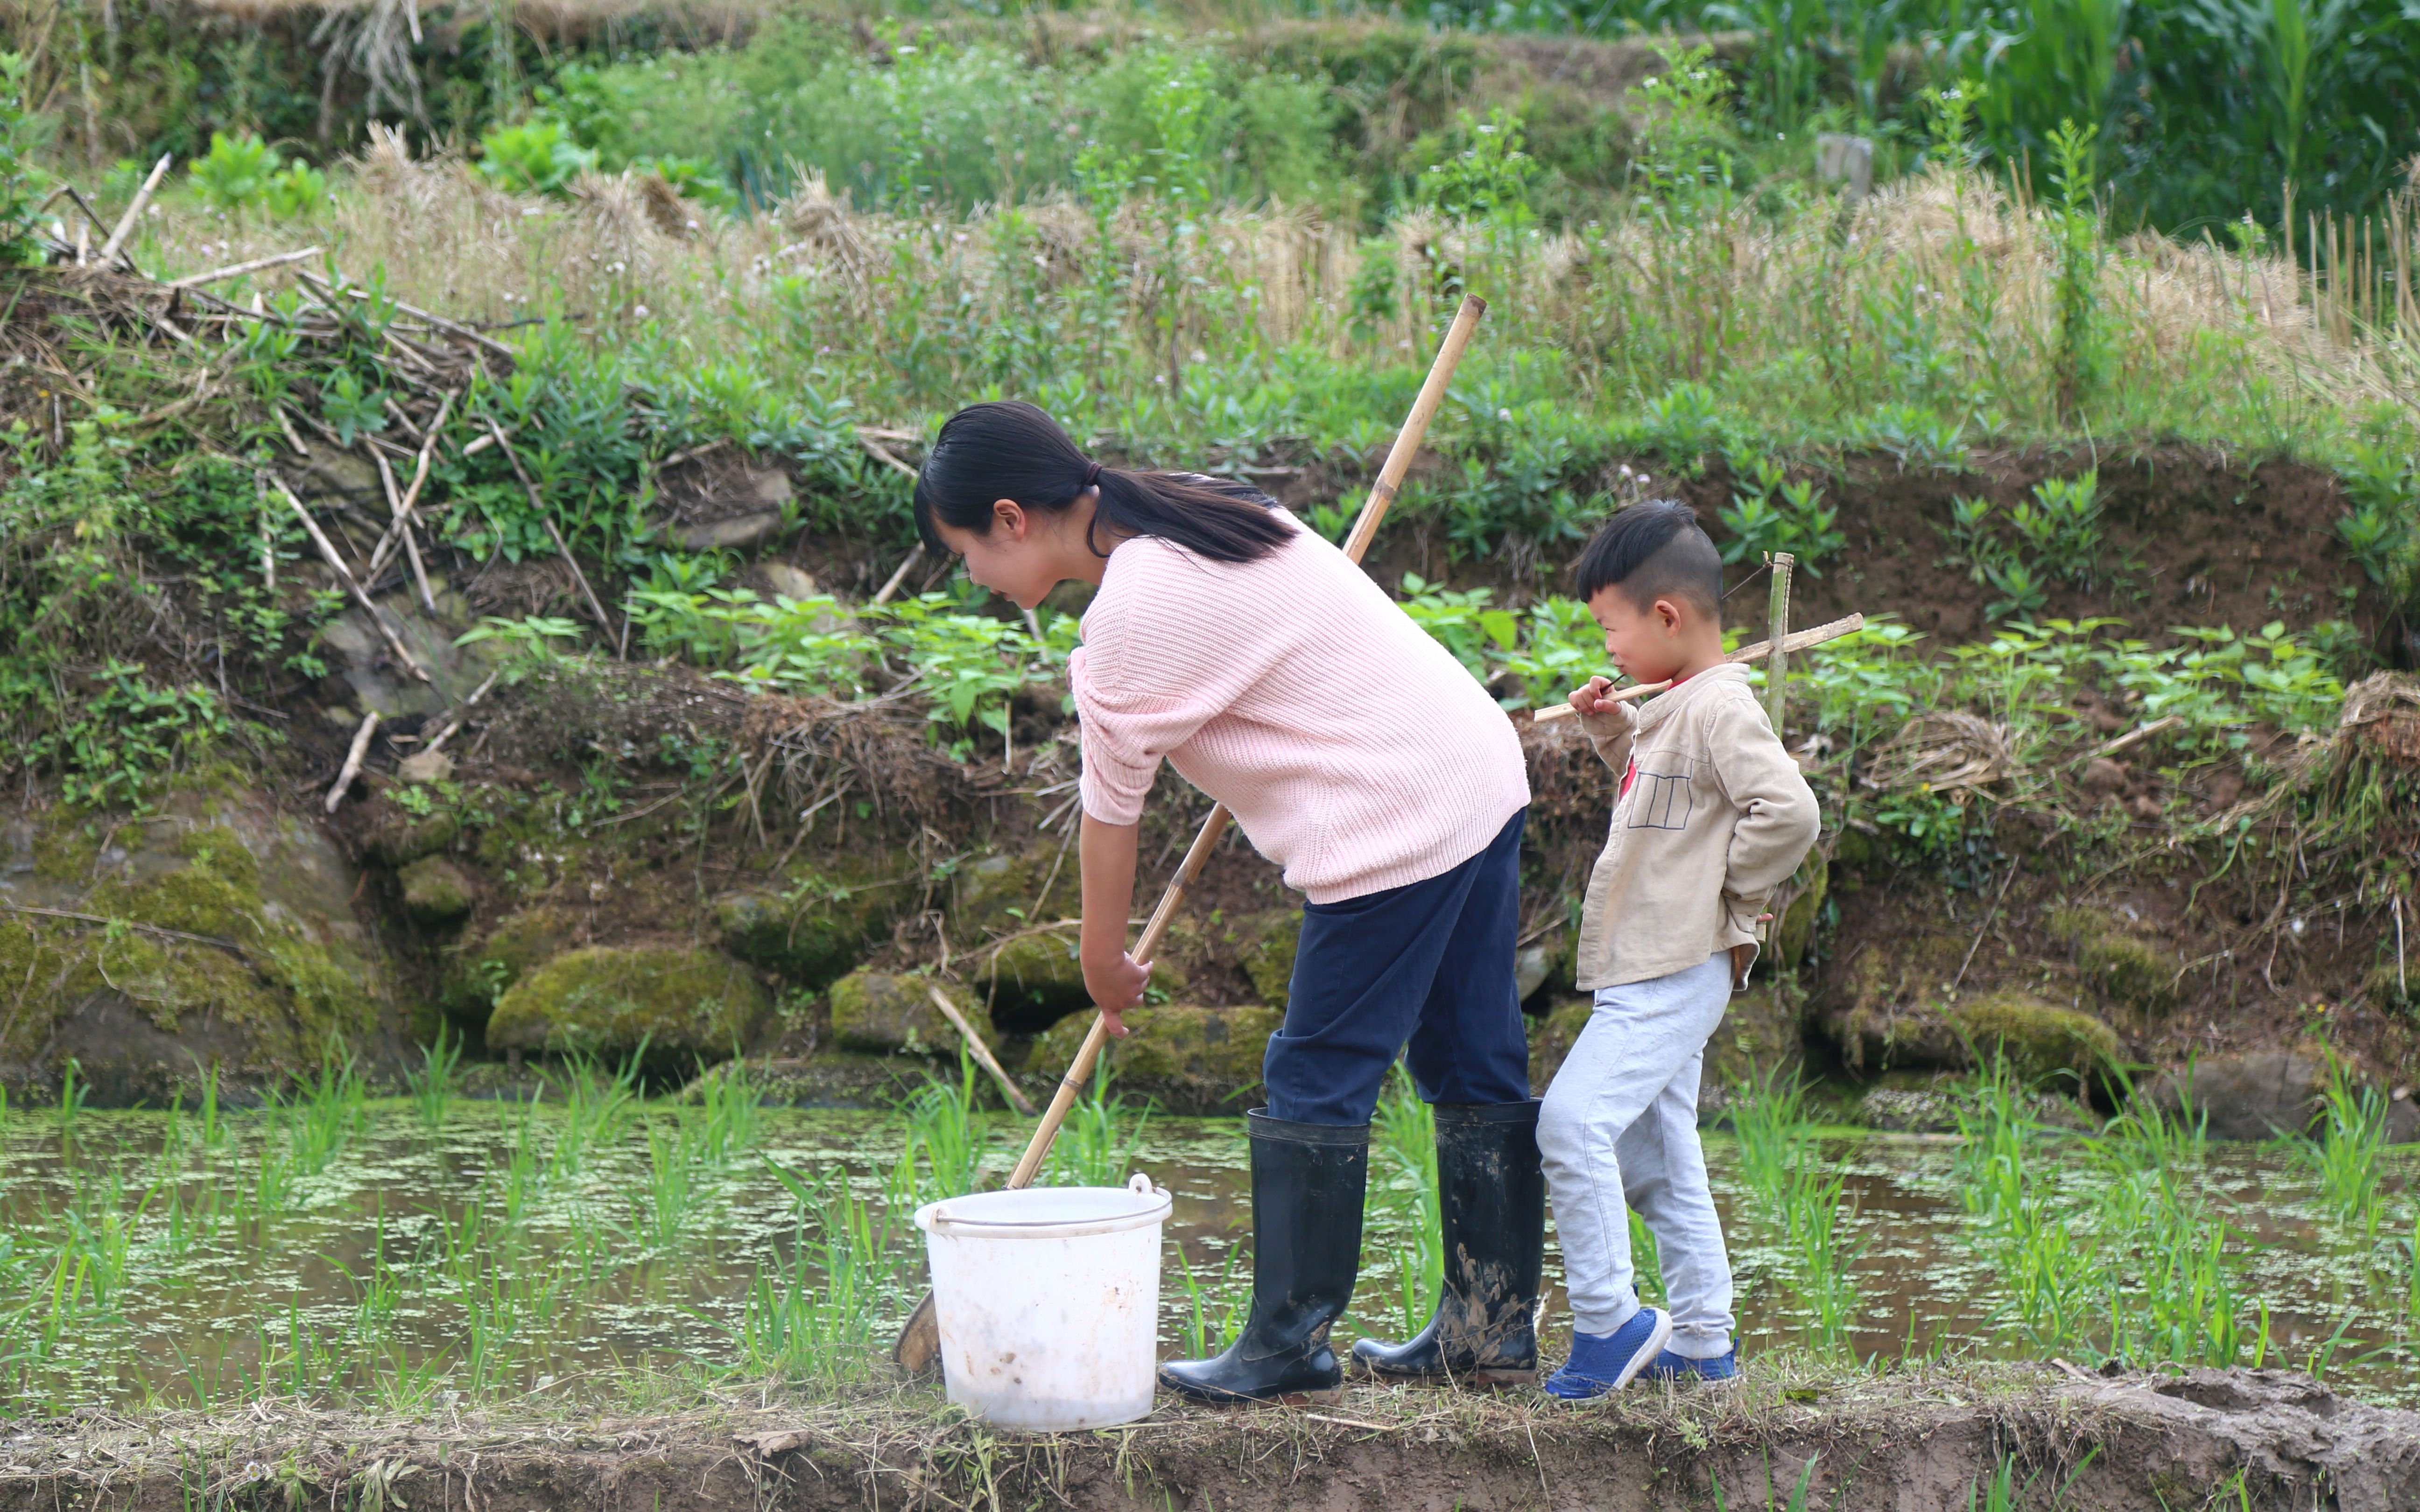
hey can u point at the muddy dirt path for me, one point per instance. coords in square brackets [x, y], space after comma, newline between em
[1913, 1441]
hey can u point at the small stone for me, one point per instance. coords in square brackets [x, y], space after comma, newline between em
[739, 530]
[426, 767]
[787, 581]
[2102, 775]
[1529, 967]
[435, 890]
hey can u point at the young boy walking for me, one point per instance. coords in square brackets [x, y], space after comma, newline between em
[1712, 815]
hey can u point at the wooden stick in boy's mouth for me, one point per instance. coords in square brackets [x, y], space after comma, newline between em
[1798, 641]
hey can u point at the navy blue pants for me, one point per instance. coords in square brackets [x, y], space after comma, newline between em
[1432, 962]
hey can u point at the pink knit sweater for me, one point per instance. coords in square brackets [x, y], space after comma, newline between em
[1355, 752]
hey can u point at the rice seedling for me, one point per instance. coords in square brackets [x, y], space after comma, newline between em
[2346, 1153]
[1208, 1325]
[596, 1111]
[1097, 1146]
[1403, 1134]
[817, 1315]
[675, 1190]
[332, 1108]
[72, 1092]
[732, 1112]
[431, 1086]
[1782, 1162]
[942, 1155]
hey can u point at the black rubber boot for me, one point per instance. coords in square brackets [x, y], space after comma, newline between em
[1308, 1180]
[1492, 1197]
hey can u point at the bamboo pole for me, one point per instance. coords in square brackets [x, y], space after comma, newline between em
[352, 766]
[1795, 641]
[1777, 671]
[134, 211]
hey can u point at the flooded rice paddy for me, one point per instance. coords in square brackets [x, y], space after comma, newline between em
[421, 1253]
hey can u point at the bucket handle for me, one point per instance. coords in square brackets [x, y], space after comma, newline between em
[1139, 1184]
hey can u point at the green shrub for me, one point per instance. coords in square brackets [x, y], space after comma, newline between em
[235, 172]
[19, 178]
[537, 157]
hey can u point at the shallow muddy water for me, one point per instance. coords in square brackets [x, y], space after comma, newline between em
[498, 1250]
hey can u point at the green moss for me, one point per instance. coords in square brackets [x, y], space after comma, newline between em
[66, 848]
[217, 893]
[435, 891]
[2125, 969]
[401, 839]
[1190, 1059]
[1795, 930]
[1268, 956]
[2039, 1040]
[1763, 1030]
[1033, 982]
[481, 970]
[684, 1004]
[886, 1014]
[35, 972]
[1551, 1039]
[820, 925]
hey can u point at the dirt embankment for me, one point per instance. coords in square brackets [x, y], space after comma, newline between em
[2239, 1438]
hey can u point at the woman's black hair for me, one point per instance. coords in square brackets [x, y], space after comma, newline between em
[1007, 449]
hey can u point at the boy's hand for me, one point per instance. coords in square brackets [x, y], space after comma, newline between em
[1589, 698]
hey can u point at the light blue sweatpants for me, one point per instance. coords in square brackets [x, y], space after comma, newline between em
[1620, 1131]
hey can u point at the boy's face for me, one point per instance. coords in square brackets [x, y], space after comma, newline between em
[1652, 643]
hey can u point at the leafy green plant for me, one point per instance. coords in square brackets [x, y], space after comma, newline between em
[537, 157]
[1486, 177]
[235, 172]
[2061, 521]
[1799, 522]
[350, 407]
[19, 178]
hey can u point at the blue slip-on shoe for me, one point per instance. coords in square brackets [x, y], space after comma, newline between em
[1600, 1365]
[1720, 1370]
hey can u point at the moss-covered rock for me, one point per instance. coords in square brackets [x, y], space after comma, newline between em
[1033, 981]
[398, 838]
[1270, 941]
[818, 924]
[685, 1005]
[1764, 1032]
[2123, 968]
[480, 971]
[235, 948]
[834, 1079]
[1551, 1039]
[2040, 1041]
[1794, 930]
[1887, 1012]
[1186, 1058]
[883, 1013]
[435, 891]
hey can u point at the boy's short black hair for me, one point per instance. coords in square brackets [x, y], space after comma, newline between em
[1654, 549]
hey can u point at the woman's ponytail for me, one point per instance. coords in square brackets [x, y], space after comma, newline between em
[1011, 450]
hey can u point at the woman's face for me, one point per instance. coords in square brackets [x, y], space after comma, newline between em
[1021, 558]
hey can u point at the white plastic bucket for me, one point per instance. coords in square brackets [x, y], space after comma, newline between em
[1048, 1302]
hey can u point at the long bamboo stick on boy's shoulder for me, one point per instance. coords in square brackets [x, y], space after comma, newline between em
[1795, 641]
[919, 1342]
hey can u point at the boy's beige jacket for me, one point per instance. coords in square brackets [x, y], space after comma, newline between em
[1712, 816]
